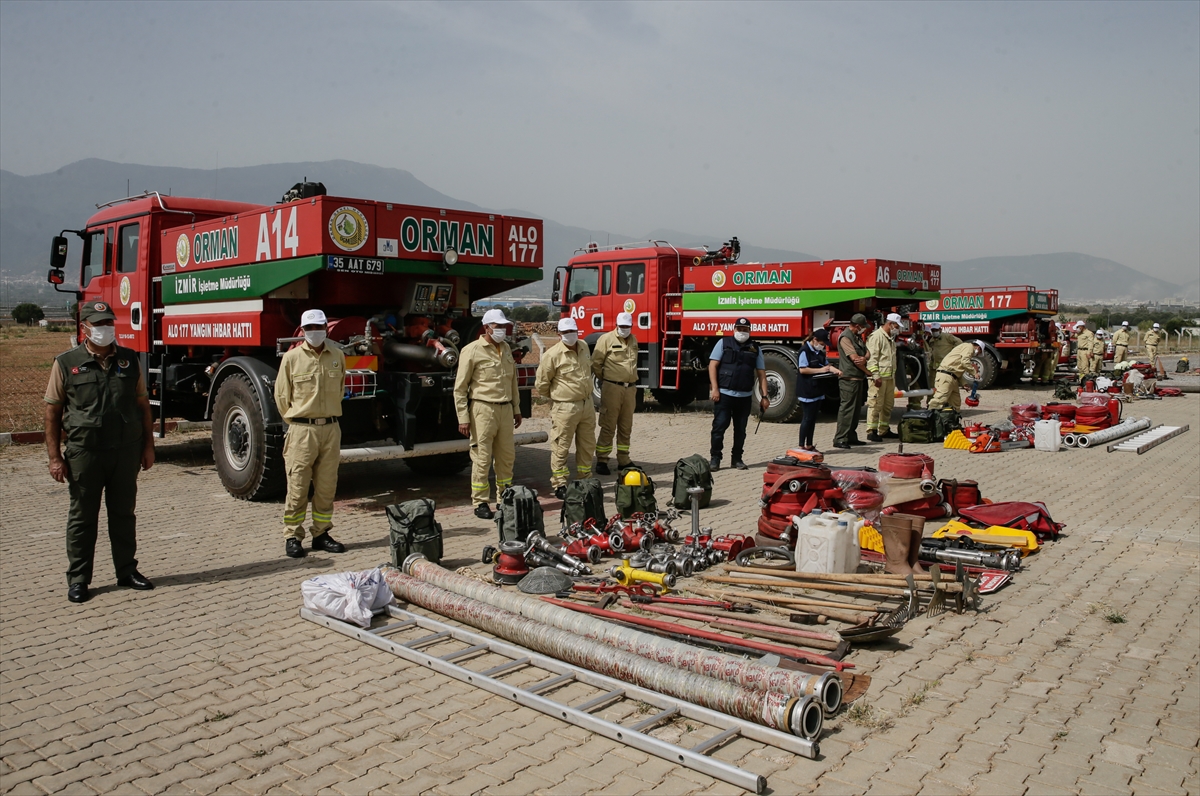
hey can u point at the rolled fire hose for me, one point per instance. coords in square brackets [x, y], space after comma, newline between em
[1123, 429]
[1070, 439]
[783, 712]
[826, 687]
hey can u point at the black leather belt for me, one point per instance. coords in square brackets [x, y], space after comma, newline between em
[622, 383]
[313, 421]
[948, 373]
[492, 403]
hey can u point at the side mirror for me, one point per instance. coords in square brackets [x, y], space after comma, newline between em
[56, 276]
[556, 290]
[58, 255]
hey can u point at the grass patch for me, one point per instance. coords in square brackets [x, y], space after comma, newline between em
[1060, 735]
[914, 698]
[218, 716]
[260, 753]
[864, 714]
[1115, 618]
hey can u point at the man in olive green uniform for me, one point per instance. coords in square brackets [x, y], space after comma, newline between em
[97, 395]
[881, 382]
[940, 344]
[488, 406]
[949, 377]
[1083, 350]
[614, 363]
[1121, 343]
[565, 377]
[308, 392]
[1154, 339]
[852, 383]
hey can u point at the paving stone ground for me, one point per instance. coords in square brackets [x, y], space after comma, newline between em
[212, 683]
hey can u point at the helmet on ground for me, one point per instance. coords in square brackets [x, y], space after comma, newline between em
[635, 478]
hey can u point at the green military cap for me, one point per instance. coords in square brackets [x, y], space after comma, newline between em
[92, 311]
[859, 319]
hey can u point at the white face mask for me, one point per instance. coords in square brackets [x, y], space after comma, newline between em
[936, 333]
[498, 334]
[102, 335]
[623, 331]
[741, 337]
[570, 338]
[315, 337]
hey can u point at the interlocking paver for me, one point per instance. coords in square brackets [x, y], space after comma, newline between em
[127, 681]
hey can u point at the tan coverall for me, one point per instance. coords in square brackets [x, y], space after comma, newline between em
[1098, 347]
[309, 388]
[1083, 352]
[950, 377]
[565, 377]
[1154, 339]
[881, 364]
[614, 362]
[1047, 361]
[1120, 344]
[939, 346]
[486, 397]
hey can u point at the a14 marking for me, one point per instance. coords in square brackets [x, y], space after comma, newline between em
[285, 238]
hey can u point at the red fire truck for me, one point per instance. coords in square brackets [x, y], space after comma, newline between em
[684, 299]
[209, 293]
[1012, 324]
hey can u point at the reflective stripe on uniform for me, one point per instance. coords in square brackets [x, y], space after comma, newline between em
[605, 450]
[622, 449]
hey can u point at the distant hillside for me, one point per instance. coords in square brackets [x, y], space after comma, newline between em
[1078, 277]
[34, 209]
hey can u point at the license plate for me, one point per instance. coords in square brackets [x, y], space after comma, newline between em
[354, 265]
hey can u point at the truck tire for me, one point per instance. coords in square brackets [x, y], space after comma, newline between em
[440, 464]
[247, 452]
[781, 389]
[986, 369]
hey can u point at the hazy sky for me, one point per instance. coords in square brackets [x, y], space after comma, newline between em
[938, 131]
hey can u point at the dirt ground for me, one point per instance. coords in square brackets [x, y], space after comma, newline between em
[25, 356]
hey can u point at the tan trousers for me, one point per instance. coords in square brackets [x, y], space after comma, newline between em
[1152, 352]
[880, 401]
[616, 414]
[1045, 367]
[1083, 362]
[310, 455]
[491, 445]
[1119, 353]
[945, 393]
[572, 421]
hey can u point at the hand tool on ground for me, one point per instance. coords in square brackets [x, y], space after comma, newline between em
[939, 590]
[684, 630]
[887, 625]
[806, 638]
[539, 542]
[633, 589]
[944, 550]
[842, 612]
[695, 602]
[625, 574]
[758, 556]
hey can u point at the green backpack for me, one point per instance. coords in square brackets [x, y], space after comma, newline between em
[520, 514]
[691, 472]
[918, 425]
[634, 499]
[584, 499]
[414, 530]
[945, 421]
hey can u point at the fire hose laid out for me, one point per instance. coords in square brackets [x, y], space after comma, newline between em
[1129, 425]
[826, 688]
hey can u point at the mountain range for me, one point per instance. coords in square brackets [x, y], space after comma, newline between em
[33, 209]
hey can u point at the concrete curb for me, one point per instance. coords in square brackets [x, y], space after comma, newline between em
[39, 437]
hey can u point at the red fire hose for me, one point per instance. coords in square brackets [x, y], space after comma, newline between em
[907, 465]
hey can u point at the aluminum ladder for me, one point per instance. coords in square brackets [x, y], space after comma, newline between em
[657, 708]
[1140, 443]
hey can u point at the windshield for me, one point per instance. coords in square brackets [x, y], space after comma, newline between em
[584, 282]
[93, 257]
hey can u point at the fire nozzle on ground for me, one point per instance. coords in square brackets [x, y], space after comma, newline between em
[694, 492]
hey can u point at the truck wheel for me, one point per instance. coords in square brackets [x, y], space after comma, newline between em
[781, 389]
[440, 464]
[986, 369]
[248, 454]
[674, 399]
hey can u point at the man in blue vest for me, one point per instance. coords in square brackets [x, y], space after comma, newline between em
[733, 367]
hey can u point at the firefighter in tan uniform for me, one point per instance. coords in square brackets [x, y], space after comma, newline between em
[614, 363]
[1099, 345]
[488, 407]
[950, 377]
[1121, 343]
[881, 383]
[1083, 350]
[308, 392]
[1154, 339]
[940, 344]
[565, 377]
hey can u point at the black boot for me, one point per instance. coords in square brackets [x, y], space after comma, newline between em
[328, 544]
[295, 548]
[602, 468]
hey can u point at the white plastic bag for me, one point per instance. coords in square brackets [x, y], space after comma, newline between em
[349, 596]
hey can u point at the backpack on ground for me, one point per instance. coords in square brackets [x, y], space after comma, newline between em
[960, 494]
[520, 514]
[1064, 392]
[918, 425]
[584, 499]
[945, 421]
[414, 530]
[691, 472]
[1182, 365]
[635, 498]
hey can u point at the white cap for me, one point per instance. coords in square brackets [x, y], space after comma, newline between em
[1124, 323]
[935, 325]
[567, 325]
[624, 319]
[496, 317]
[1079, 324]
[312, 318]
[894, 318]
[1156, 326]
